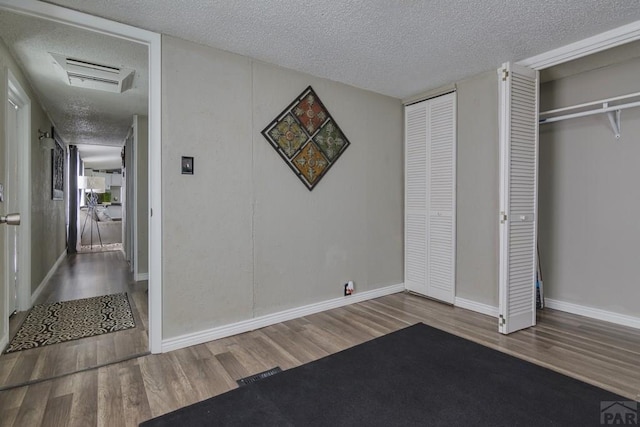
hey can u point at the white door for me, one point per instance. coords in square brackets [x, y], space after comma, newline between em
[11, 204]
[415, 240]
[17, 265]
[518, 196]
[430, 197]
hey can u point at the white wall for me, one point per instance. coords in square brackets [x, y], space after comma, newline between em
[243, 237]
[589, 233]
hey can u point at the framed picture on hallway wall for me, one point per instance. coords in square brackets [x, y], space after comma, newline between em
[57, 169]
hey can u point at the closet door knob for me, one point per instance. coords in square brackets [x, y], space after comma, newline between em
[10, 219]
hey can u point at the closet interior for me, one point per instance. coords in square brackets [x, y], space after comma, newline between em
[589, 198]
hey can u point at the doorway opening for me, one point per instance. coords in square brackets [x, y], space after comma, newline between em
[112, 269]
[602, 42]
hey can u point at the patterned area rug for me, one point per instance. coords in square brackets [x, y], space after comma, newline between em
[107, 247]
[58, 322]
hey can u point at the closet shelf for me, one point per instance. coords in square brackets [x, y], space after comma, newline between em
[581, 110]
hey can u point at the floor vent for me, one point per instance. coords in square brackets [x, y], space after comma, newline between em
[257, 377]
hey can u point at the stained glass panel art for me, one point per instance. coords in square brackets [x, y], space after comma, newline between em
[307, 138]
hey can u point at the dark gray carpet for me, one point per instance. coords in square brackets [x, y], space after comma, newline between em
[418, 376]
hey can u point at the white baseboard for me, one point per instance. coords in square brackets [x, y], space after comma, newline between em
[4, 342]
[594, 313]
[478, 307]
[141, 276]
[200, 337]
[46, 279]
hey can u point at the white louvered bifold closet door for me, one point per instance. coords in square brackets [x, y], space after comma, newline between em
[431, 197]
[415, 240]
[441, 190]
[518, 196]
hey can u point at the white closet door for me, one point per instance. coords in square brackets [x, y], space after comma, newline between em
[415, 249]
[430, 197]
[518, 196]
[441, 191]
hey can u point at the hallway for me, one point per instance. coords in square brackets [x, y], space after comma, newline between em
[81, 276]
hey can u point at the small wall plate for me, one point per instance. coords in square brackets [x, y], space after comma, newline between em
[187, 165]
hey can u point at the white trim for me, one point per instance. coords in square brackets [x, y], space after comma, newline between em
[23, 147]
[603, 41]
[138, 277]
[478, 307]
[454, 212]
[134, 202]
[594, 313]
[51, 12]
[45, 281]
[154, 42]
[425, 96]
[155, 193]
[270, 319]
[4, 342]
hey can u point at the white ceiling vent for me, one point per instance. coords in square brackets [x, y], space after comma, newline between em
[90, 75]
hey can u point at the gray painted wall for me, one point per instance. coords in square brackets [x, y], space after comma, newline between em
[48, 217]
[478, 189]
[142, 191]
[243, 237]
[589, 206]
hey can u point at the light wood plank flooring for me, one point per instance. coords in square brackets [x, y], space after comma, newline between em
[130, 392]
[81, 276]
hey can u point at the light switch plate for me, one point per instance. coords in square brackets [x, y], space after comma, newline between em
[187, 165]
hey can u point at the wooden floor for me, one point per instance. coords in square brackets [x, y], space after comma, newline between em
[130, 392]
[81, 276]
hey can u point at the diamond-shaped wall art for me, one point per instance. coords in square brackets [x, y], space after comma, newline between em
[307, 138]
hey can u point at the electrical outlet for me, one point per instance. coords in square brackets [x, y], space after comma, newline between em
[348, 288]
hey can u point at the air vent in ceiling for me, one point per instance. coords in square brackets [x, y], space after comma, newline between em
[90, 75]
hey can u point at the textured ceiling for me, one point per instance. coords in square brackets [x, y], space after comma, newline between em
[100, 156]
[81, 116]
[398, 48]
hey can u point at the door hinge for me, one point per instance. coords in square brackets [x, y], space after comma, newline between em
[501, 320]
[503, 217]
[505, 74]
[151, 212]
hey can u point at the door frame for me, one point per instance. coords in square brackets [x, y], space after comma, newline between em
[154, 43]
[603, 41]
[21, 145]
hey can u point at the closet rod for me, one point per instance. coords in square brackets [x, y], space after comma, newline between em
[605, 109]
[589, 104]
